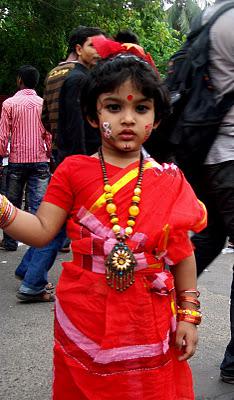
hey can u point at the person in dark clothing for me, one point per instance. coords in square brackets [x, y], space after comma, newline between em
[75, 136]
[216, 183]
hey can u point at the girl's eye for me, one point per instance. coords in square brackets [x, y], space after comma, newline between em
[141, 108]
[113, 107]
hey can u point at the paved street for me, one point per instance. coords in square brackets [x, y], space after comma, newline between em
[27, 329]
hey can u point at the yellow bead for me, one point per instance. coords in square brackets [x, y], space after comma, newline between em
[134, 211]
[107, 188]
[114, 220]
[137, 191]
[111, 208]
[130, 222]
[136, 199]
[128, 230]
[116, 228]
[108, 195]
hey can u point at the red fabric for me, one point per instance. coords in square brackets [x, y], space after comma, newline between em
[21, 125]
[107, 47]
[102, 336]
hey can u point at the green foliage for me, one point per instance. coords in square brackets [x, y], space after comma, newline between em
[36, 31]
[181, 14]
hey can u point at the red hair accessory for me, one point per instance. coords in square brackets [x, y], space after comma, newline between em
[107, 47]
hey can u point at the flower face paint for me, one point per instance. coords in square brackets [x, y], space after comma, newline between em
[106, 130]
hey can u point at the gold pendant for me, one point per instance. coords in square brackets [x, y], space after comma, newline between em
[120, 267]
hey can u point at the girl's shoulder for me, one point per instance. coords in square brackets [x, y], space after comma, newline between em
[79, 161]
[165, 168]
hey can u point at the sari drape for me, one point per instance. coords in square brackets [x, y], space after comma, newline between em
[119, 345]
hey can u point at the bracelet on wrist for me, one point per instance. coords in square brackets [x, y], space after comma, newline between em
[7, 212]
[189, 299]
[186, 291]
[187, 315]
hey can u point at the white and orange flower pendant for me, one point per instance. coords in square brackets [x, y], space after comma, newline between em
[120, 267]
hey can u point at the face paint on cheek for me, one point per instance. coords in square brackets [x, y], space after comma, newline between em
[106, 130]
[148, 129]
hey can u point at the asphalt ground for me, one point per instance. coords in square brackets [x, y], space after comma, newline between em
[26, 332]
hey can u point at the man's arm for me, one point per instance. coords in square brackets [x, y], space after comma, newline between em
[222, 53]
[5, 129]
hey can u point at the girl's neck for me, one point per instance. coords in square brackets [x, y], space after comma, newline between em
[120, 158]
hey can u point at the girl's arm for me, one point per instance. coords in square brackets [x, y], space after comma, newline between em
[186, 279]
[37, 230]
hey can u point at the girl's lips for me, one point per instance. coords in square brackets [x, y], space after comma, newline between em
[127, 135]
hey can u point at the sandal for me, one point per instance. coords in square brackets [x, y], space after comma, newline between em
[33, 298]
[49, 286]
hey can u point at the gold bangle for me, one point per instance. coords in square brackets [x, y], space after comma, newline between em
[187, 311]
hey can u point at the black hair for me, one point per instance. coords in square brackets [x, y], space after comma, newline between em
[80, 35]
[111, 73]
[126, 36]
[29, 75]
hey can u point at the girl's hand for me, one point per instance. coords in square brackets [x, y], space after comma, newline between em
[186, 339]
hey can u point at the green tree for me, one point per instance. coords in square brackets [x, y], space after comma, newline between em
[181, 14]
[32, 32]
[36, 31]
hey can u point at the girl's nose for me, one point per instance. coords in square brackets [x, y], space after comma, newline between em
[128, 117]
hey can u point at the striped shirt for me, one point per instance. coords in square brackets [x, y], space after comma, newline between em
[21, 125]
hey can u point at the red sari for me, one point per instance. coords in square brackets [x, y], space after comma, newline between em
[118, 345]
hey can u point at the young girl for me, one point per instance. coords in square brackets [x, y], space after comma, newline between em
[119, 334]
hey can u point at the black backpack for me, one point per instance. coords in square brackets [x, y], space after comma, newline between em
[186, 136]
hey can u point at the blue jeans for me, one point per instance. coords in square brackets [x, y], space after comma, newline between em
[36, 263]
[36, 176]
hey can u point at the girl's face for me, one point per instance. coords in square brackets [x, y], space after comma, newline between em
[126, 118]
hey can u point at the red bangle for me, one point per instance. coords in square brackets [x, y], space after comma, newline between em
[189, 299]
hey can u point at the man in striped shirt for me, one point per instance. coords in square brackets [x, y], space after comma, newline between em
[30, 145]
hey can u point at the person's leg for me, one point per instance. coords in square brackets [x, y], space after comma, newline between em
[42, 260]
[209, 242]
[38, 180]
[16, 175]
[226, 204]
[219, 183]
[65, 248]
[24, 263]
[227, 365]
[3, 183]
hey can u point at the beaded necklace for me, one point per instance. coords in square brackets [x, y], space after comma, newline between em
[120, 262]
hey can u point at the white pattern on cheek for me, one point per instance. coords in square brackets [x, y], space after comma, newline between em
[106, 130]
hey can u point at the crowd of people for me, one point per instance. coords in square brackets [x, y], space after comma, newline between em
[78, 178]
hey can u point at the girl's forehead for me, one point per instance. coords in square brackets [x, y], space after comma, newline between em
[127, 89]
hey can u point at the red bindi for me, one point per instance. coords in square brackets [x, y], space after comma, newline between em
[130, 97]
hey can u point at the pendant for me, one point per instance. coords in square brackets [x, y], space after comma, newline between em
[120, 267]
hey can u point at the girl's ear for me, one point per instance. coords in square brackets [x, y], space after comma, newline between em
[93, 122]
